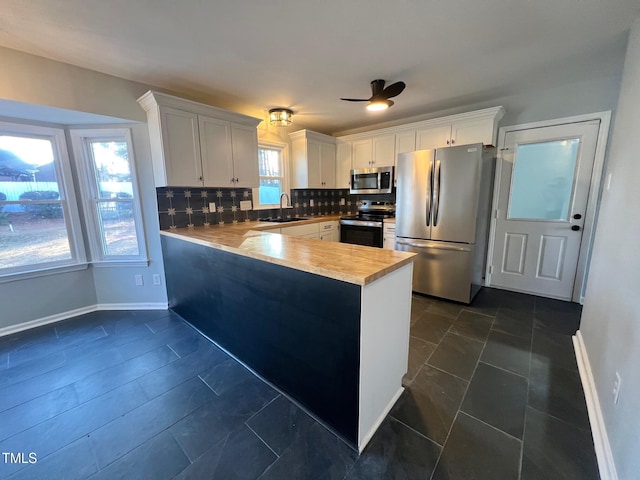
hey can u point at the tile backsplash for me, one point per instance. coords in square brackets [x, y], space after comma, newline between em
[180, 207]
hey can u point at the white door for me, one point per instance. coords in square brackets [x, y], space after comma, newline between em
[544, 176]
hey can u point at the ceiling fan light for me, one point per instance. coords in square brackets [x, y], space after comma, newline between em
[378, 105]
[282, 117]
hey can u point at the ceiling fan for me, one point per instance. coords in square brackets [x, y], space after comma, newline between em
[380, 96]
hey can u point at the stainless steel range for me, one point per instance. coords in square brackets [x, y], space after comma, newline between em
[365, 228]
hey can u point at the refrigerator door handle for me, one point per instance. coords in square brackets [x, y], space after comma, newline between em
[429, 193]
[431, 245]
[436, 194]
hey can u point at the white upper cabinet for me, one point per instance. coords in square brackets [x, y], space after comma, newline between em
[313, 160]
[362, 153]
[244, 151]
[343, 164]
[215, 145]
[179, 139]
[405, 142]
[378, 151]
[474, 127]
[384, 151]
[195, 145]
[433, 137]
[381, 147]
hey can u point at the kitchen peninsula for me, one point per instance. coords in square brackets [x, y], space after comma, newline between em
[325, 322]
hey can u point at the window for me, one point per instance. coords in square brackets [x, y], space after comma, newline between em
[272, 171]
[39, 223]
[111, 199]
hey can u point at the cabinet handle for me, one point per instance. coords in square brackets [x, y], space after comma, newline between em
[237, 180]
[452, 141]
[447, 142]
[201, 179]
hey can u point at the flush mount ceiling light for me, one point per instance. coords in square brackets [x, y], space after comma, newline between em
[282, 117]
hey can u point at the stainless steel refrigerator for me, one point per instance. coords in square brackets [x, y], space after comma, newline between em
[443, 202]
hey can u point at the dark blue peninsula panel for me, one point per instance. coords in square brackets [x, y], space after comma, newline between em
[298, 330]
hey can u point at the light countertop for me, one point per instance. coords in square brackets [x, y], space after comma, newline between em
[341, 261]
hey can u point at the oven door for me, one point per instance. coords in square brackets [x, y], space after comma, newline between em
[361, 232]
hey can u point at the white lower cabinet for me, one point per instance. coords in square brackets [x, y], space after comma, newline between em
[389, 234]
[327, 231]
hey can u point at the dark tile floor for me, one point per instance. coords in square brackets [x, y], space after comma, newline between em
[493, 392]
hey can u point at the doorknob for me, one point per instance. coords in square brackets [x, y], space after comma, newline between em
[577, 216]
[575, 228]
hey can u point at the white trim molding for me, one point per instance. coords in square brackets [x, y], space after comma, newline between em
[593, 201]
[604, 455]
[58, 317]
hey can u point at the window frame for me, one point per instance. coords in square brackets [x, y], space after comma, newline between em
[284, 150]
[67, 200]
[81, 139]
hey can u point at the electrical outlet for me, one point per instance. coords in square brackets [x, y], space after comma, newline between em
[311, 202]
[212, 207]
[245, 205]
[139, 281]
[616, 387]
[156, 279]
[343, 201]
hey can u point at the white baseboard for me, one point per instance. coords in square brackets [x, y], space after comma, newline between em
[604, 455]
[79, 311]
[133, 306]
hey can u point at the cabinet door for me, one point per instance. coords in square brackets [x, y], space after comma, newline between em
[181, 144]
[384, 151]
[313, 164]
[362, 153]
[405, 142]
[328, 165]
[215, 144]
[244, 151]
[472, 131]
[343, 164]
[434, 137]
[389, 242]
[330, 237]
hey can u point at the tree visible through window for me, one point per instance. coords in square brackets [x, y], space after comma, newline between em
[36, 228]
[114, 204]
[111, 197]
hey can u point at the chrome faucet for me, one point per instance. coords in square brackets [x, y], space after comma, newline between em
[288, 204]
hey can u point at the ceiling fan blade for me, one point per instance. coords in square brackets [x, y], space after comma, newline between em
[393, 89]
[356, 99]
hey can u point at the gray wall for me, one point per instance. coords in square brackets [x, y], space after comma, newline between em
[611, 317]
[39, 81]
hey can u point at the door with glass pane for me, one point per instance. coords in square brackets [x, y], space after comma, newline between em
[544, 176]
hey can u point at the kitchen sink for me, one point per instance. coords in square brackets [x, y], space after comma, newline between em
[281, 220]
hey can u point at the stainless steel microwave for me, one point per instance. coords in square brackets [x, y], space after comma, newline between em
[371, 180]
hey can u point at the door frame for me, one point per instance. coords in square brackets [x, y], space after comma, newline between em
[593, 199]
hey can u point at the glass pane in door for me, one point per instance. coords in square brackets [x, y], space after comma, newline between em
[542, 180]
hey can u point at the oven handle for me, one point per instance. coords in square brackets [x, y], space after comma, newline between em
[430, 245]
[361, 223]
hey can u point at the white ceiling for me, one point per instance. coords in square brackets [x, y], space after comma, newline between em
[306, 55]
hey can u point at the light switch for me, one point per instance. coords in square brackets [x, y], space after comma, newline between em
[212, 207]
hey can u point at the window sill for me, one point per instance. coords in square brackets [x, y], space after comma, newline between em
[42, 272]
[271, 207]
[120, 263]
